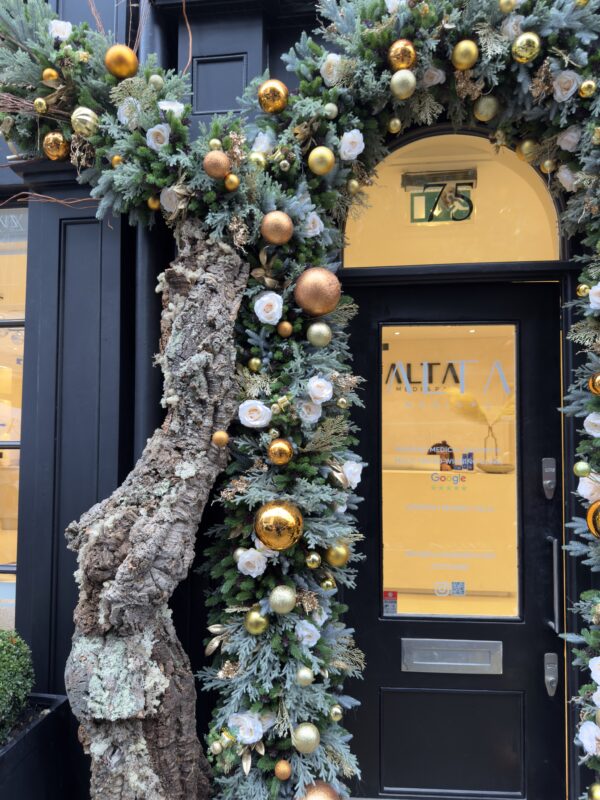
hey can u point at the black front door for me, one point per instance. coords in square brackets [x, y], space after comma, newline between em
[461, 593]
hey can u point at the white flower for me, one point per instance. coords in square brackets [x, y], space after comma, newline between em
[592, 426]
[569, 138]
[432, 76]
[511, 27]
[566, 178]
[247, 727]
[596, 698]
[169, 200]
[351, 145]
[254, 414]
[594, 668]
[394, 5]
[264, 142]
[252, 563]
[173, 106]
[268, 307]
[352, 472]
[128, 112]
[309, 412]
[319, 389]
[340, 508]
[320, 616]
[262, 548]
[588, 735]
[331, 69]
[313, 226]
[565, 85]
[307, 633]
[158, 136]
[594, 297]
[589, 488]
[60, 29]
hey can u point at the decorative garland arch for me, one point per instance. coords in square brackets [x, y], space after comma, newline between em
[266, 194]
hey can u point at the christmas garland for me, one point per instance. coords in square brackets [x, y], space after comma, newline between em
[277, 183]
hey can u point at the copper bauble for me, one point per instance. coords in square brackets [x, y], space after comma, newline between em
[280, 452]
[328, 583]
[121, 61]
[582, 469]
[84, 121]
[312, 559]
[232, 182]
[255, 623]
[336, 713]
[273, 96]
[526, 47]
[317, 291]
[153, 203]
[319, 334]
[282, 599]
[40, 106]
[276, 227]
[55, 146]
[321, 160]
[403, 84]
[527, 150]
[337, 555]
[283, 770]
[486, 108]
[116, 161]
[587, 88]
[220, 438]
[306, 737]
[465, 54]
[217, 164]
[285, 329]
[319, 790]
[257, 160]
[394, 125]
[507, 6]
[304, 676]
[594, 383]
[156, 81]
[594, 791]
[593, 519]
[583, 289]
[402, 55]
[278, 524]
[50, 74]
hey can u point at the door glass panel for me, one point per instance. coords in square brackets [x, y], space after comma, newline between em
[449, 470]
[11, 383]
[9, 504]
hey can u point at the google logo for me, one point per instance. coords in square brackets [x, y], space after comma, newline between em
[441, 477]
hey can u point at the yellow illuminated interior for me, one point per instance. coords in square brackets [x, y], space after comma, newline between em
[449, 462]
[513, 217]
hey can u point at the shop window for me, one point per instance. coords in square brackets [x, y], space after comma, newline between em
[13, 266]
[453, 199]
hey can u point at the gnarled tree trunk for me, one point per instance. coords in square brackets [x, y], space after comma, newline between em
[128, 678]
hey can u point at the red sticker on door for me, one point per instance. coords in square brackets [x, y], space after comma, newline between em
[390, 602]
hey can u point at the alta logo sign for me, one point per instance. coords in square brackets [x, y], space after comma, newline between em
[432, 377]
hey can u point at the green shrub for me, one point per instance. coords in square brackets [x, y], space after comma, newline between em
[16, 680]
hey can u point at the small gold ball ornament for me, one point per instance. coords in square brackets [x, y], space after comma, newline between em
[402, 55]
[403, 84]
[337, 555]
[317, 291]
[336, 713]
[280, 452]
[121, 61]
[304, 676]
[306, 738]
[277, 227]
[220, 438]
[328, 583]
[279, 524]
[594, 791]
[257, 160]
[486, 108]
[526, 47]
[238, 553]
[254, 364]
[82, 56]
[548, 166]
[84, 121]
[216, 748]
[465, 54]
[255, 623]
[587, 88]
[232, 182]
[156, 81]
[594, 383]
[273, 96]
[282, 599]
[593, 519]
[283, 770]
[55, 146]
[313, 560]
[319, 334]
[394, 126]
[583, 289]
[217, 164]
[321, 160]
[319, 790]
[50, 74]
[507, 6]
[284, 165]
[341, 402]
[582, 469]
[526, 150]
[153, 203]
[116, 161]
[596, 135]
[330, 110]
[40, 105]
[215, 144]
[353, 187]
[285, 329]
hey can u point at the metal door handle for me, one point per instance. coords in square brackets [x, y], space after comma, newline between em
[549, 477]
[555, 623]
[551, 673]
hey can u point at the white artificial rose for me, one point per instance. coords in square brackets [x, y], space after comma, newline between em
[331, 69]
[169, 200]
[309, 412]
[594, 668]
[394, 5]
[313, 226]
[589, 488]
[252, 563]
[158, 136]
[264, 142]
[569, 138]
[596, 698]
[173, 106]
[351, 145]
[589, 734]
[594, 297]
[128, 112]
[254, 414]
[320, 616]
[566, 178]
[319, 389]
[60, 29]
[432, 76]
[268, 307]
[592, 425]
[352, 472]
[307, 633]
[565, 85]
[247, 727]
[511, 27]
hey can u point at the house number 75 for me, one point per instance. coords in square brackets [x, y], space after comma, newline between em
[456, 215]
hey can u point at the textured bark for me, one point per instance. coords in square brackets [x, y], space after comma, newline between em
[128, 678]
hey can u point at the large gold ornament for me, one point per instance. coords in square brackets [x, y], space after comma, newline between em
[84, 121]
[273, 96]
[50, 74]
[465, 54]
[594, 383]
[306, 738]
[594, 791]
[486, 108]
[321, 160]
[506, 6]
[255, 623]
[278, 524]
[276, 227]
[403, 84]
[337, 555]
[40, 106]
[285, 329]
[402, 55]
[280, 452]
[336, 713]
[319, 334]
[587, 88]
[121, 61]
[319, 790]
[304, 676]
[583, 289]
[283, 770]
[232, 182]
[526, 150]
[593, 519]
[220, 438]
[282, 599]
[526, 47]
[317, 291]
[55, 146]
[217, 164]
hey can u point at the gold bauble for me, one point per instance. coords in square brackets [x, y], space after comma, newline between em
[317, 291]
[217, 164]
[583, 289]
[50, 74]
[336, 713]
[156, 82]
[283, 770]
[82, 56]
[304, 676]
[337, 555]
[341, 402]
[254, 364]
[403, 84]
[526, 150]
[55, 146]
[526, 47]
[353, 187]
[280, 452]
[216, 748]
[548, 166]
[312, 560]
[257, 160]
[285, 329]
[232, 182]
[227, 739]
[506, 6]
[306, 737]
[319, 790]
[220, 438]
[255, 623]
[121, 61]
[321, 160]
[282, 599]
[596, 135]
[319, 334]
[594, 383]
[581, 469]
[284, 165]
[153, 203]
[276, 227]
[278, 524]
[465, 54]
[328, 583]
[594, 791]
[215, 144]
[486, 108]
[330, 110]
[394, 125]
[238, 553]
[402, 55]
[587, 88]
[273, 96]
[593, 519]
[116, 161]
[84, 121]
[40, 105]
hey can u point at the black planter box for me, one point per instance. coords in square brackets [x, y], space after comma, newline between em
[32, 764]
